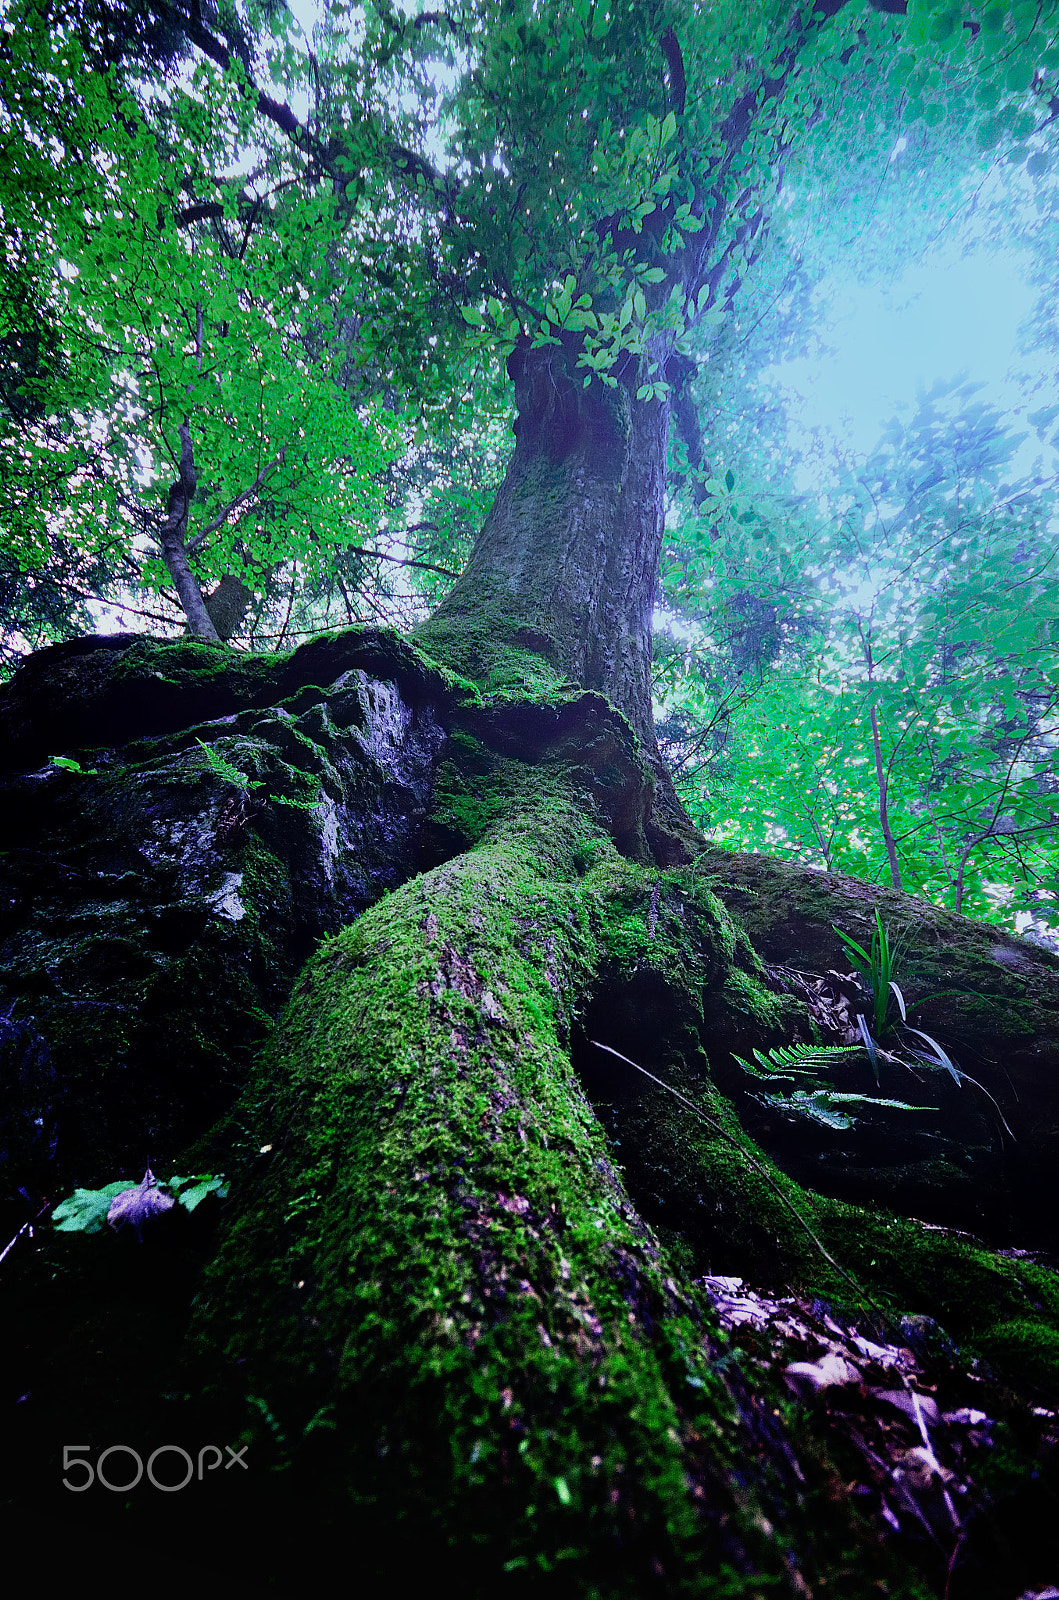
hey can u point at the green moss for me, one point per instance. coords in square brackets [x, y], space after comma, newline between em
[475, 788]
[724, 1201]
[506, 662]
[1028, 1347]
[993, 1000]
[740, 1225]
[437, 1254]
[191, 664]
[743, 994]
[439, 1249]
[707, 1182]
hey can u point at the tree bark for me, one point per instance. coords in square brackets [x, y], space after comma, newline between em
[489, 1324]
[566, 564]
[172, 537]
[228, 604]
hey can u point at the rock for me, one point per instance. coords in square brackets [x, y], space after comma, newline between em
[159, 894]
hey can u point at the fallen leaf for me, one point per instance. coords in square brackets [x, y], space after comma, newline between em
[132, 1207]
[809, 1377]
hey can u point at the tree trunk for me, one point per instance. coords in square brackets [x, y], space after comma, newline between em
[173, 541]
[882, 784]
[566, 564]
[487, 1306]
[228, 605]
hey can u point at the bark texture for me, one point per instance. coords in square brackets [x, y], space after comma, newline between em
[566, 564]
[172, 538]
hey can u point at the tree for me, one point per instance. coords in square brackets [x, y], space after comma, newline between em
[462, 1312]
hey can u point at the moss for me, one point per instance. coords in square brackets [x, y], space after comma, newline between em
[507, 662]
[988, 985]
[707, 1182]
[440, 1250]
[1028, 1347]
[475, 789]
[190, 664]
[743, 994]
[721, 1194]
[439, 1257]
[90, 693]
[160, 883]
[437, 1289]
[736, 1222]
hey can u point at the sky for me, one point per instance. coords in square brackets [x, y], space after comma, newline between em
[950, 314]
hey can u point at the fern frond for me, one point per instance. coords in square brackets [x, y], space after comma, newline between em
[799, 1060]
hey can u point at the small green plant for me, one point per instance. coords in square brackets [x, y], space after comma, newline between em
[190, 1192]
[68, 764]
[877, 967]
[815, 1098]
[224, 769]
[86, 1210]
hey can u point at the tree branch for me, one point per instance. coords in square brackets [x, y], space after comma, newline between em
[233, 505]
[171, 539]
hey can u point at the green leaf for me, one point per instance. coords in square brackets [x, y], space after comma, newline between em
[900, 999]
[85, 1211]
[191, 1192]
[856, 952]
[225, 769]
[70, 765]
[939, 1055]
[869, 1044]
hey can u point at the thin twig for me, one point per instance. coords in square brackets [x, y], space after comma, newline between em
[234, 505]
[26, 1227]
[723, 1131]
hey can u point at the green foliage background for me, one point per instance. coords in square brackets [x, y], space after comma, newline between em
[320, 250]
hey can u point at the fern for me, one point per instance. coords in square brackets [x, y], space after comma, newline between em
[798, 1060]
[817, 1101]
[222, 768]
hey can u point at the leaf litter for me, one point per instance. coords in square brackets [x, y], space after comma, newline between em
[902, 1410]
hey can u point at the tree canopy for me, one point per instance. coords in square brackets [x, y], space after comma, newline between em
[261, 280]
